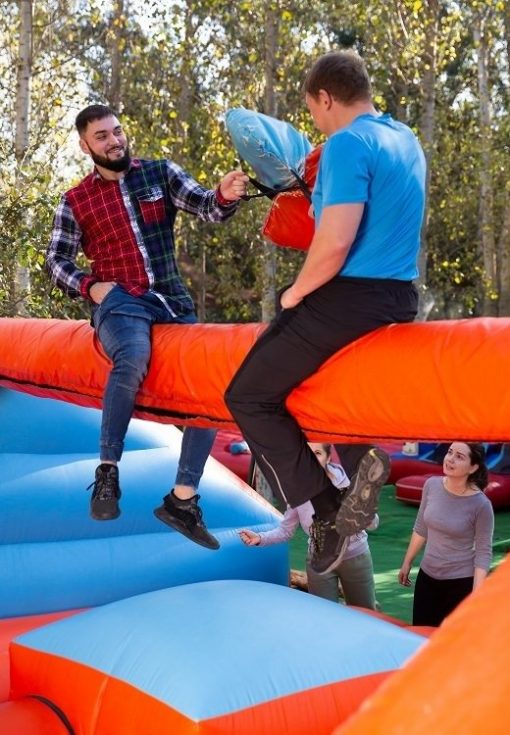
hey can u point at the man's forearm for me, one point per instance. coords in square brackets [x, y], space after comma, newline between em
[323, 262]
[66, 275]
[63, 250]
[329, 249]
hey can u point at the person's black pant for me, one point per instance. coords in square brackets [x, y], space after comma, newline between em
[292, 348]
[435, 599]
[350, 455]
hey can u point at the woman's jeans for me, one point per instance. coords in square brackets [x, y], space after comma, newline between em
[123, 325]
[356, 576]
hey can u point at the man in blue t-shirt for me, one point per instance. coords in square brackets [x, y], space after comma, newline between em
[368, 204]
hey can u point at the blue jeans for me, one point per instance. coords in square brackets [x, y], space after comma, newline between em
[123, 326]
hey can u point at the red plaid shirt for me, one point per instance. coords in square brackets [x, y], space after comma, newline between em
[125, 228]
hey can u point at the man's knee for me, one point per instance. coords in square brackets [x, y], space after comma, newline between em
[239, 400]
[231, 398]
[133, 362]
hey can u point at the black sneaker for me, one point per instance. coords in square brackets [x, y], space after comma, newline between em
[185, 516]
[326, 546]
[104, 503]
[359, 504]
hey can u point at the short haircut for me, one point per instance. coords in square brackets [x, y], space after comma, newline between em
[341, 73]
[91, 113]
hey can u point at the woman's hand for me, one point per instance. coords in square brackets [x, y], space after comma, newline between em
[403, 575]
[250, 538]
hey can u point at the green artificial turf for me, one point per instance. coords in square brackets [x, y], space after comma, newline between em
[388, 545]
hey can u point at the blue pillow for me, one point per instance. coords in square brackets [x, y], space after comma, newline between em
[274, 149]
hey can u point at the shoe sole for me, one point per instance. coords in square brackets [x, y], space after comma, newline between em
[344, 543]
[96, 517]
[163, 515]
[359, 506]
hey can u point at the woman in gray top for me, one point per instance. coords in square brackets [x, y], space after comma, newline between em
[455, 522]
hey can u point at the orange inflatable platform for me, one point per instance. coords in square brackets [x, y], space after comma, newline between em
[436, 381]
[458, 683]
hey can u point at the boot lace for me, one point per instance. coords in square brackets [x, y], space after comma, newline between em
[105, 487]
[317, 535]
[196, 513]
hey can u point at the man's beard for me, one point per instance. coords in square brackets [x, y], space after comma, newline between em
[118, 165]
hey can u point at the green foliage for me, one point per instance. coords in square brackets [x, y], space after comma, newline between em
[183, 65]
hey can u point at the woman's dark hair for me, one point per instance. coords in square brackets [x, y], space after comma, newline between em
[341, 73]
[479, 477]
[91, 113]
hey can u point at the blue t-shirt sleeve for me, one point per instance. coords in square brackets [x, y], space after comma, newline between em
[344, 170]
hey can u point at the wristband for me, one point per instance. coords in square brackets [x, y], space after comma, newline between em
[221, 199]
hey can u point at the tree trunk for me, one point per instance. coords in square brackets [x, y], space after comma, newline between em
[268, 253]
[400, 90]
[186, 91]
[24, 68]
[486, 202]
[427, 124]
[503, 250]
[119, 24]
[21, 284]
[199, 232]
[504, 258]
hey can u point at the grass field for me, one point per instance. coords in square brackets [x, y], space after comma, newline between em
[388, 545]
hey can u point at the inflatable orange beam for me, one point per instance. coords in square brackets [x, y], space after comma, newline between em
[434, 381]
[459, 682]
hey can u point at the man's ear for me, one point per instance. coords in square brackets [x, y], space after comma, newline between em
[325, 98]
[83, 145]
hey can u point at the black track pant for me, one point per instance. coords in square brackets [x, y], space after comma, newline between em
[350, 456]
[435, 599]
[292, 348]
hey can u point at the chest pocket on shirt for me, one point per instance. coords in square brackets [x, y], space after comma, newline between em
[152, 205]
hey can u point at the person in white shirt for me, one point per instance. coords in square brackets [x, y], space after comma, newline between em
[355, 570]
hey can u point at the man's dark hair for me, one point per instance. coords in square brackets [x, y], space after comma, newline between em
[341, 73]
[91, 113]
